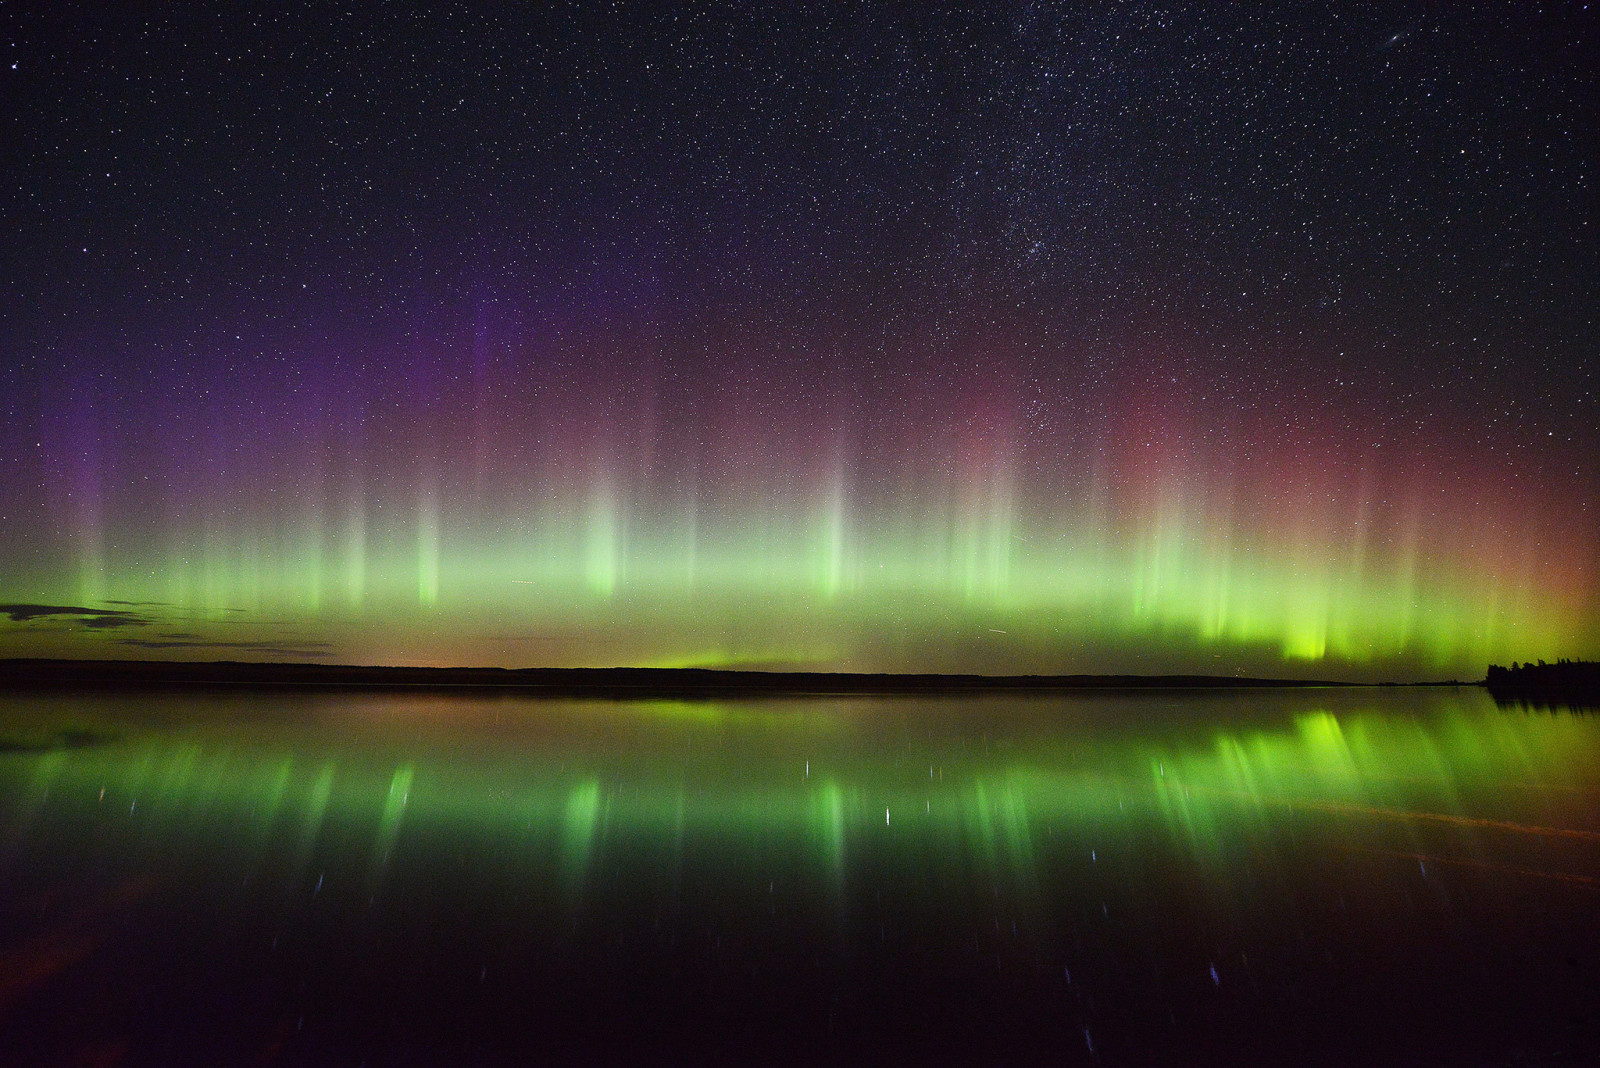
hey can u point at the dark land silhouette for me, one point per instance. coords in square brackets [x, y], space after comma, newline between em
[1566, 682]
[568, 682]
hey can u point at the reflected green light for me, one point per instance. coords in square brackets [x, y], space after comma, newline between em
[828, 832]
[314, 811]
[833, 784]
[579, 823]
[394, 810]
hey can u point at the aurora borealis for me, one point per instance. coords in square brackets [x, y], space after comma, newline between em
[1036, 340]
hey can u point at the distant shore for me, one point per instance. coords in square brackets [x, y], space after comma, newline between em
[69, 675]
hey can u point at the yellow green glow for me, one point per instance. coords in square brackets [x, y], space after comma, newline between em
[981, 577]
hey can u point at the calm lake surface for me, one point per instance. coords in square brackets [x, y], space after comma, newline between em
[1297, 876]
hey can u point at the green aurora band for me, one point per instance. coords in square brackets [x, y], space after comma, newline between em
[950, 535]
[987, 592]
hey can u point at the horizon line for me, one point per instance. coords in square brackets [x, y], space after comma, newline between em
[71, 674]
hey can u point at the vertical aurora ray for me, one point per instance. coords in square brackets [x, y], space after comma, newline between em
[428, 548]
[602, 555]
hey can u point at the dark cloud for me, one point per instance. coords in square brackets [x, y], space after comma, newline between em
[110, 622]
[69, 738]
[98, 618]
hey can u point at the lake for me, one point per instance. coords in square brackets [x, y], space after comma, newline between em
[1324, 876]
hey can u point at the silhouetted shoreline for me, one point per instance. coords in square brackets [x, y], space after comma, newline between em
[1566, 682]
[45, 674]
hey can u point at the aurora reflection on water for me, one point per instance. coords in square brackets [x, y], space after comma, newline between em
[1135, 872]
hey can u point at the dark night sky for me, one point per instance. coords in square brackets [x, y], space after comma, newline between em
[1036, 337]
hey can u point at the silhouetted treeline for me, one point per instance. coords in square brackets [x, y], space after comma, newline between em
[1571, 682]
[567, 682]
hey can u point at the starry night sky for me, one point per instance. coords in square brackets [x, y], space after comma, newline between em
[1031, 338]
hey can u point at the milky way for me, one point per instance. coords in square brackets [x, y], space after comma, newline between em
[1036, 340]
